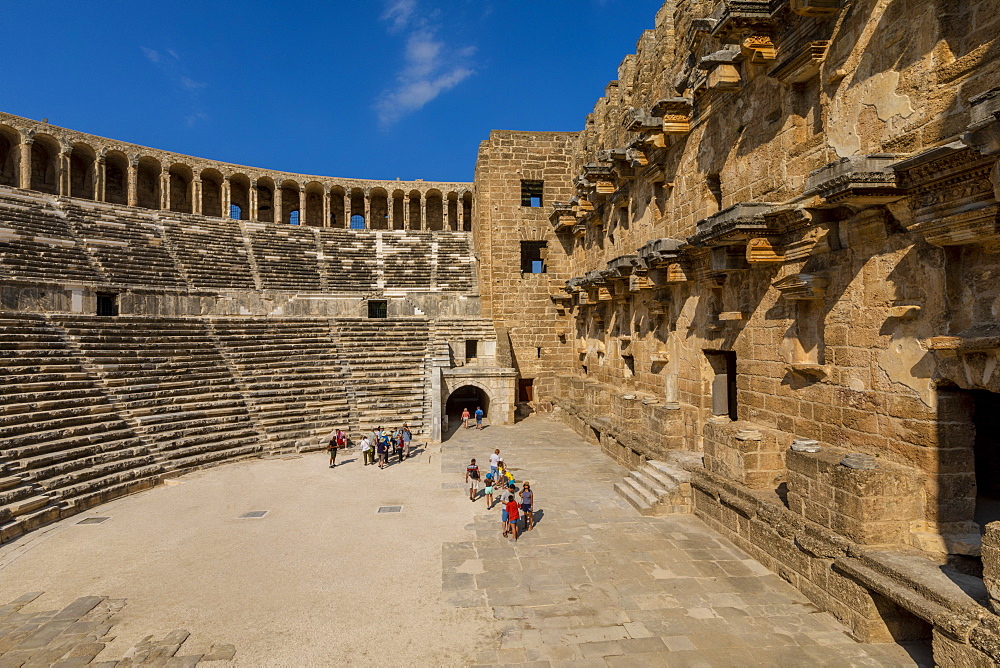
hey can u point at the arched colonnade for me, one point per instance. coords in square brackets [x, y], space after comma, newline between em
[40, 161]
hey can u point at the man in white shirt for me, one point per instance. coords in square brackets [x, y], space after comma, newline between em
[494, 462]
[366, 450]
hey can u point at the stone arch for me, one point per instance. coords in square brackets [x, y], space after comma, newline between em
[116, 177]
[239, 196]
[452, 210]
[378, 203]
[148, 183]
[45, 164]
[398, 210]
[470, 393]
[289, 201]
[338, 216]
[415, 222]
[435, 210]
[358, 221]
[314, 204]
[181, 177]
[267, 201]
[81, 171]
[9, 140]
[211, 193]
[467, 211]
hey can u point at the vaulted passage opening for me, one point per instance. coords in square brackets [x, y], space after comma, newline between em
[116, 178]
[148, 183]
[986, 449]
[8, 158]
[44, 173]
[467, 396]
[81, 173]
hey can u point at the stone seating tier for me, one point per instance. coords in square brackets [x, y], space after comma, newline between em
[350, 259]
[211, 251]
[287, 257]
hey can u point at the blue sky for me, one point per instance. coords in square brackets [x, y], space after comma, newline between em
[379, 89]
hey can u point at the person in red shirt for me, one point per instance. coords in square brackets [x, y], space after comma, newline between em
[512, 515]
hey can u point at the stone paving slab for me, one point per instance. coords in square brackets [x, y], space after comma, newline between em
[595, 583]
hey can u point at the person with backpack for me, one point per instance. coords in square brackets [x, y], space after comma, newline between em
[472, 479]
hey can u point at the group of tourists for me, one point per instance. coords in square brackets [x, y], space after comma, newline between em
[501, 487]
[478, 415]
[376, 445]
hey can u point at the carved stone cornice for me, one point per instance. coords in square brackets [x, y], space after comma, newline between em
[639, 120]
[857, 181]
[734, 225]
[803, 65]
[821, 8]
[983, 134]
[802, 286]
[621, 267]
[736, 18]
[563, 216]
[602, 176]
[657, 252]
[676, 113]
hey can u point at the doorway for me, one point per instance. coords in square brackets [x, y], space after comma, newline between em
[467, 396]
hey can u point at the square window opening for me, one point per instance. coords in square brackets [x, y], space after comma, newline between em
[471, 349]
[107, 304]
[532, 261]
[531, 193]
[378, 308]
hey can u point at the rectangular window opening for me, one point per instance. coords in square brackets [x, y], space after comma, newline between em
[531, 193]
[107, 304]
[471, 349]
[526, 389]
[378, 308]
[532, 260]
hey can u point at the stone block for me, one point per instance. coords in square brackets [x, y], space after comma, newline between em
[991, 564]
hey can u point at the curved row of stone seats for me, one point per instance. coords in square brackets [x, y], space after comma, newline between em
[171, 380]
[36, 242]
[384, 361]
[287, 256]
[292, 378]
[211, 251]
[65, 447]
[407, 260]
[128, 244]
[350, 260]
[456, 265]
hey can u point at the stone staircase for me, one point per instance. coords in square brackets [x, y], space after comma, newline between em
[211, 251]
[661, 487]
[287, 256]
[291, 376]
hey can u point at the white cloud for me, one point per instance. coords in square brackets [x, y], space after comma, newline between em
[151, 54]
[173, 71]
[430, 66]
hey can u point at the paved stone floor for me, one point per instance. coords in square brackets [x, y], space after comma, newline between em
[595, 583]
[175, 577]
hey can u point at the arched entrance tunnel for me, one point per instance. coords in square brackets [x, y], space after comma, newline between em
[467, 396]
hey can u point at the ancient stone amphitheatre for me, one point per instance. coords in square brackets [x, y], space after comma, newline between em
[741, 332]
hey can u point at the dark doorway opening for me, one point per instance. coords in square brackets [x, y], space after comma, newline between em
[378, 308]
[986, 420]
[467, 396]
[723, 382]
[107, 304]
[526, 389]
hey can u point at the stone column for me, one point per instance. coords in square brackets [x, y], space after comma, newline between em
[100, 178]
[253, 201]
[63, 167]
[326, 207]
[196, 194]
[991, 564]
[368, 209]
[133, 181]
[165, 191]
[302, 205]
[406, 211]
[423, 211]
[26, 162]
[226, 194]
[347, 209]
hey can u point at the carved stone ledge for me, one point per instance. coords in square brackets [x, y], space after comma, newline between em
[857, 181]
[737, 17]
[657, 252]
[802, 286]
[762, 250]
[621, 267]
[737, 223]
[759, 49]
[815, 7]
[676, 114]
[802, 66]
[580, 230]
[809, 370]
[981, 338]
[639, 120]
[563, 216]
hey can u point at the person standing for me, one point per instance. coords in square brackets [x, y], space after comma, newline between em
[367, 453]
[479, 417]
[465, 417]
[495, 462]
[472, 480]
[333, 446]
[488, 490]
[397, 441]
[527, 499]
[407, 437]
[512, 515]
[382, 449]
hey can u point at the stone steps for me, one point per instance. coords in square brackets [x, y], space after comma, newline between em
[661, 487]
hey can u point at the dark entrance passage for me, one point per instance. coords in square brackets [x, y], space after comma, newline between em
[467, 396]
[986, 420]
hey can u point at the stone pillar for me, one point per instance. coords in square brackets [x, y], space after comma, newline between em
[26, 162]
[302, 205]
[253, 201]
[991, 564]
[226, 194]
[62, 177]
[406, 211]
[347, 209]
[423, 211]
[165, 191]
[100, 178]
[326, 207]
[133, 182]
[196, 194]
[368, 210]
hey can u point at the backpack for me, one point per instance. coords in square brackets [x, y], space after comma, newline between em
[474, 473]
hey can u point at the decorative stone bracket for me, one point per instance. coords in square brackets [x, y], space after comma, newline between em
[858, 181]
[802, 286]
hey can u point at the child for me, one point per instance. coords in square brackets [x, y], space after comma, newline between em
[472, 479]
[512, 515]
[527, 497]
[504, 495]
[488, 491]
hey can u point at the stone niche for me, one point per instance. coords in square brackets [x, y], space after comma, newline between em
[868, 506]
[746, 453]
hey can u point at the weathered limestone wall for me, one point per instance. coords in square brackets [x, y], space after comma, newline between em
[520, 302]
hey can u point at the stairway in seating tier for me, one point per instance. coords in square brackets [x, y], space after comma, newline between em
[65, 448]
[385, 364]
[407, 260]
[456, 265]
[287, 256]
[291, 376]
[661, 487]
[127, 243]
[173, 382]
[36, 242]
[350, 260]
[211, 250]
